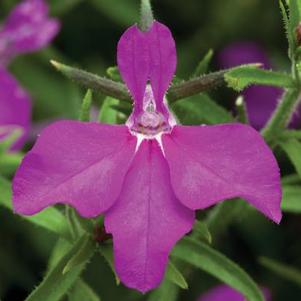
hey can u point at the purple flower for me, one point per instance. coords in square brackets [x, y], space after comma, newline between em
[150, 175]
[261, 101]
[226, 293]
[26, 29]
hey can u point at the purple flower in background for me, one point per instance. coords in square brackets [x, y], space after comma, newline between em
[261, 101]
[28, 28]
[226, 293]
[150, 175]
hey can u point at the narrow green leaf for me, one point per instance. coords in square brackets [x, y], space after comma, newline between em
[243, 76]
[289, 34]
[203, 65]
[200, 109]
[200, 231]
[175, 276]
[9, 162]
[284, 271]
[291, 198]
[83, 254]
[81, 291]
[56, 284]
[50, 218]
[292, 147]
[86, 107]
[295, 14]
[107, 114]
[9, 139]
[146, 15]
[202, 256]
[106, 250]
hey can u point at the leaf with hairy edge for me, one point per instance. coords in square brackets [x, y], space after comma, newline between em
[175, 276]
[200, 109]
[203, 65]
[106, 250]
[282, 270]
[56, 284]
[81, 256]
[291, 198]
[81, 291]
[201, 232]
[243, 76]
[50, 218]
[292, 147]
[211, 261]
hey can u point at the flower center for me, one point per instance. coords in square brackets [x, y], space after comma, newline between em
[150, 121]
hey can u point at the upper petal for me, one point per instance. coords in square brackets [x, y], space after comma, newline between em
[81, 164]
[28, 28]
[163, 58]
[15, 107]
[133, 63]
[146, 221]
[211, 163]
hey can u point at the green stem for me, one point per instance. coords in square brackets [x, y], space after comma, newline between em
[282, 115]
[147, 18]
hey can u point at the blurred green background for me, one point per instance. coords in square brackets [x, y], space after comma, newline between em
[88, 39]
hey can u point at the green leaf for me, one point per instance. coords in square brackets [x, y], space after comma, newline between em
[203, 65]
[289, 34]
[106, 250]
[282, 270]
[175, 276]
[290, 179]
[200, 109]
[146, 15]
[9, 162]
[295, 14]
[243, 76]
[82, 292]
[114, 74]
[291, 198]
[211, 261]
[56, 284]
[167, 291]
[86, 107]
[201, 231]
[292, 147]
[83, 254]
[50, 218]
[10, 138]
[107, 114]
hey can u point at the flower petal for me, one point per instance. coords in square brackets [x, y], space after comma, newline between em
[133, 63]
[163, 60]
[15, 108]
[224, 292]
[146, 221]
[222, 162]
[27, 28]
[81, 164]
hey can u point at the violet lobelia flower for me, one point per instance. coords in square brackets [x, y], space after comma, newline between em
[261, 101]
[150, 175]
[28, 28]
[226, 293]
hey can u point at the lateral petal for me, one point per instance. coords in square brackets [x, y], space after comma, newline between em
[75, 163]
[211, 163]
